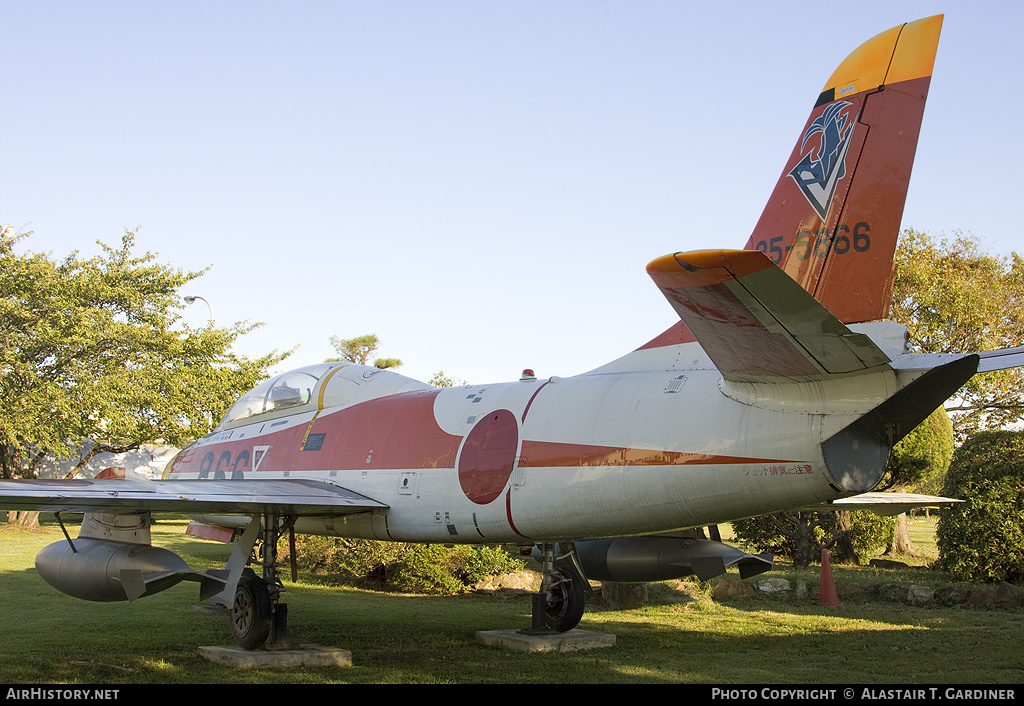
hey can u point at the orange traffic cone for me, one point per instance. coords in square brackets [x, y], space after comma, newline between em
[827, 590]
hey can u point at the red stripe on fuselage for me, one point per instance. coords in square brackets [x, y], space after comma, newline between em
[399, 432]
[546, 454]
[388, 433]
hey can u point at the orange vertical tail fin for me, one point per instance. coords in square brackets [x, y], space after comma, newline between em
[834, 216]
[833, 219]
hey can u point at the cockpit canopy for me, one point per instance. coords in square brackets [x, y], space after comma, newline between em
[313, 388]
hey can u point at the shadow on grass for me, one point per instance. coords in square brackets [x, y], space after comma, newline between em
[50, 637]
[427, 639]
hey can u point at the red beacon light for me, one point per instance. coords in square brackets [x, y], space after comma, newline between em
[528, 375]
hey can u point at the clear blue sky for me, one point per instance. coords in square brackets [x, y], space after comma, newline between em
[481, 184]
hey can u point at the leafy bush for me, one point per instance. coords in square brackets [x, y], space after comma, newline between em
[983, 537]
[790, 533]
[485, 560]
[430, 568]
[871, 533]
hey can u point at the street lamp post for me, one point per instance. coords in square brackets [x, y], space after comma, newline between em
[192, 300]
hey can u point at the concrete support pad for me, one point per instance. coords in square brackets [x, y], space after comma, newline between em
[305, 654]
[558, 642]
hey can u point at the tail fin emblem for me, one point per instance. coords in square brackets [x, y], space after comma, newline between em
[818, 178]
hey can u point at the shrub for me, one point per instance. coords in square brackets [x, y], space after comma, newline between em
[484, 561]
[804, 534]
[431, 568]
[872, 533]
[983, 537]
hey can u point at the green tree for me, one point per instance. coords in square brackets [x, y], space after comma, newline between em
[440, 379]
[359, 349]
[803, 534]
[955, 298]
[95, 349]
[919, 458]
[983, 537]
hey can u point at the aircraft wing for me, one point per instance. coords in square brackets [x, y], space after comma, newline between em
[249, 497]
[884, 503]
[755, 322]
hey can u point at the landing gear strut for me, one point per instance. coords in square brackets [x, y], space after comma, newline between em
[256, 612]
[559, 605]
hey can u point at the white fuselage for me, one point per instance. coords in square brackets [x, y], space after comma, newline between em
[603, 454]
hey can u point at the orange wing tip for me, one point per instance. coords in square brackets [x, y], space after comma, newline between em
[899, 54]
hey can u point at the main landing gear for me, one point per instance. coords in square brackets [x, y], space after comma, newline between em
[258, 618]
[559, 605]
[255, 610]
[251, 612]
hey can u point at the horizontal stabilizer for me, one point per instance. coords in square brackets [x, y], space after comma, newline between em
[755, 322]
[1001, 360]
[888, 504]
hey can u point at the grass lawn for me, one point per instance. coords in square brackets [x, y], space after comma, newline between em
[678, 638]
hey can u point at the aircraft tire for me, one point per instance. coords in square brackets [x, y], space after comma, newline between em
[566, 600]
[251, 612]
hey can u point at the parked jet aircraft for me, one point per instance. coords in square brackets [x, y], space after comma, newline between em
[771, 393]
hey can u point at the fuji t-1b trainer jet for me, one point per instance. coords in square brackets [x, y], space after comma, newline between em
[771, 393]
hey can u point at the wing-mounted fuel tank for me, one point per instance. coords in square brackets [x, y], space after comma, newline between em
[112, 560]
[664, 557]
